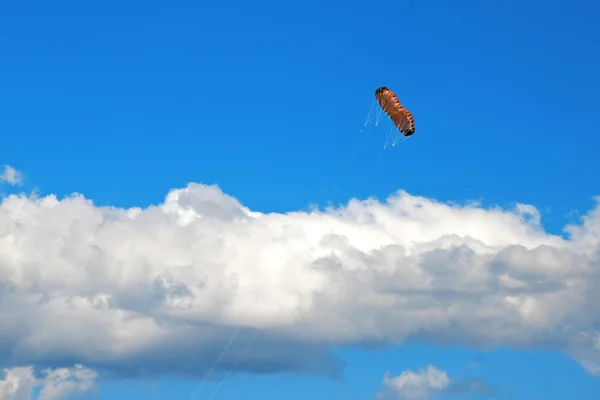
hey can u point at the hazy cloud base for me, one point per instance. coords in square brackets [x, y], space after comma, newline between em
[159, 291]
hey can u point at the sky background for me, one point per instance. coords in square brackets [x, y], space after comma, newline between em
[125, 101]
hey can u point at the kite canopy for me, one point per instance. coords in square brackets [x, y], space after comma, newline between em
[390, 104]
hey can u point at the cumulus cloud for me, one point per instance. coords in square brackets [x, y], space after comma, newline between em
[160, 289]
[11, 176]
[412, 385]
[431, 382]
[21, 383]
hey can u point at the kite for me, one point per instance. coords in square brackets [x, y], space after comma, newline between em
[400, 116]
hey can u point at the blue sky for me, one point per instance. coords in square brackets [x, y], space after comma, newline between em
[124, 101]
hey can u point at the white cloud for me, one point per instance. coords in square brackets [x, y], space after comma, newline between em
[412, 385]
[11, 176]
[160, 289]
[430, 382]
[20, 383]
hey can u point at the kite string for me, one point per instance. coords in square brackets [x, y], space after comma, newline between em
[352, 162]
[222, 354]
[339, 169]
[370, 115]
[234, 365]
[214, 365]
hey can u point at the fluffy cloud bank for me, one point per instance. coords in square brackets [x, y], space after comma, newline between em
[21, 383]
[160, 290]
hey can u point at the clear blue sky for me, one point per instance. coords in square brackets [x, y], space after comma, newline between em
[122, 101]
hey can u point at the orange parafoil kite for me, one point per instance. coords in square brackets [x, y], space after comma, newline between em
[390, 104]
